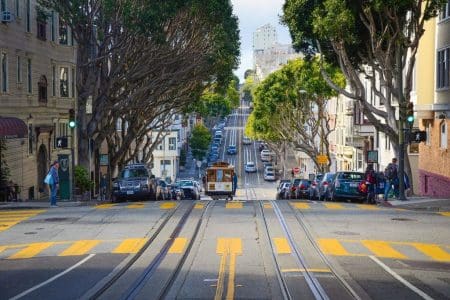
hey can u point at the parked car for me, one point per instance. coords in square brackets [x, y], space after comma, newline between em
[325, 186]
[267, 165]
[190, 189]
[314, 187]
[231, 149]
[283, 190]
[217, 140]
[293, 187]
[266, 155]
[250, 167]
[162, 189]
[269, 174]
[176, 192]
[345, 187]
[302, 190]
[134, 182]
[246, 141]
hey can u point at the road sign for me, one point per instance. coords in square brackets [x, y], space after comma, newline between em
[372, 156]
[322, 159]
[296, 170]
[417, 136]
[61, 142]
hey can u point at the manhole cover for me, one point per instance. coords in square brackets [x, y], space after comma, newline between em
[31, 232]
[346, 233]
[402, 219]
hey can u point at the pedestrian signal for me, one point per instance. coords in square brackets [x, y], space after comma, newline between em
[417, 136]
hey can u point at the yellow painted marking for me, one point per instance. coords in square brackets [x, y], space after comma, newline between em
[130, 246]
[11, 218]
[382, 249]
[333, 206]
[167, 205]
[332, 247]
[199, 206]
[80, 248]
[22, 212]
[282, 246]
[2, 248]
[178, 245]
[136, 205]
[306, 270]
[234, 205]
[300, 205]
[368, 207]
[267, 205]
[225, 247]
[445, 213]
[30, 251]
[433, 251]
[105, 206]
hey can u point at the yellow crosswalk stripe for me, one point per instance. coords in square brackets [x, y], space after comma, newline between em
[300, 205]
[282, 246]
[130, 246]
[367, 206]
[445, 213]
[267, 205]
[11, 218]
[382, 249]
[167, 205]
[31, 251]
[234, 205]
[136, 205]
[105, 206]
[178, 246]
[80, 248]
[333, 247]
[433, 251]
[333, 206]
[199, 206]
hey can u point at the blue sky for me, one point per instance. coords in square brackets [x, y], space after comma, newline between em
[253, 14]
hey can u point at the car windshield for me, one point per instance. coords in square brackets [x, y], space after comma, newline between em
[351, 176]
[231, 147]
[186, 183]
[133, 173]
[250, 164]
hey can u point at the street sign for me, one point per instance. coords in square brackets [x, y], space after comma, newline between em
[104, 160]
[417, 136]
[296, 170]
[322, 159]
[372, 156]
[61, 142]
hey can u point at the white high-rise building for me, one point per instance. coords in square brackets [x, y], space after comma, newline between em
[264, 37]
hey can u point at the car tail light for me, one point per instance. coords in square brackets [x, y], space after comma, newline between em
[313, 184]
[293, 188]
[337, 184]
[302, 186]
[325, 183]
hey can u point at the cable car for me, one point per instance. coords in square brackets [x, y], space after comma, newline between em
[219, 181]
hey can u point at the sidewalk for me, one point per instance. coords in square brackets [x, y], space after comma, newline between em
[420, 203]
[44, 204]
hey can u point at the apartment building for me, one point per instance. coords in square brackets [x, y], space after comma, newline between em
[433, 105]
[37, 90]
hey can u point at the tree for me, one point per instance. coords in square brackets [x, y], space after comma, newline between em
[291, 106]
[250, 85]
[377, 40]
[199, 141]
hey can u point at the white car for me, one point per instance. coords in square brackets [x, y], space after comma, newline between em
[266, 155]
[269, 176]
[246, 141]
[250, 167]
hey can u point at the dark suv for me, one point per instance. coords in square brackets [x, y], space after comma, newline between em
[134, 182]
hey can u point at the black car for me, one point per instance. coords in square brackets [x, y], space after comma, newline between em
[134, 182]
[294, 185]
[302, 191]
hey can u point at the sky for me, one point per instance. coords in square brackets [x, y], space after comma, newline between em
[253, 14]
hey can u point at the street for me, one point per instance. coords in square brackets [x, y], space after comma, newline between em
[254, 247]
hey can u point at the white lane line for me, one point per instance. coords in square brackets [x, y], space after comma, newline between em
[401, 279]
[30, 290]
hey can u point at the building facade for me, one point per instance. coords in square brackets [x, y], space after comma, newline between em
[37, 89]
[166, 156]
[433, 105]
[264, 37]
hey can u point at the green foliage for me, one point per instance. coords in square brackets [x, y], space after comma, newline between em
[199, 141]
[4, 169]
[82, 180]
[250, 85]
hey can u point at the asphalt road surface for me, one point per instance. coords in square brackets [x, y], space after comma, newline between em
[254, 247]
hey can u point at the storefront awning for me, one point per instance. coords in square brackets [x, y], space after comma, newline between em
[11, 128]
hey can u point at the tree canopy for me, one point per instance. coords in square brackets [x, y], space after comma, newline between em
[199, 141]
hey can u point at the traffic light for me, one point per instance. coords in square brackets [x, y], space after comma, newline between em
[410, 113]
[72, 120]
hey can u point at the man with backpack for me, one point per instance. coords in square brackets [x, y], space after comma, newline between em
[391, 174]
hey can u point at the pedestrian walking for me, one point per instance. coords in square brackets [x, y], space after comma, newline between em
[52, 179]
[235, 181]
[103, 182]
[391, 174]
[371, 181]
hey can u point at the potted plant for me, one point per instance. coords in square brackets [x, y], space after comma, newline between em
[82, 182]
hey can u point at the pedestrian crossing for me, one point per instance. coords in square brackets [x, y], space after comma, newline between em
[9, 218]
[329, 246]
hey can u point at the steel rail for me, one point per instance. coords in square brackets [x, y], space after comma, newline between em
[314, 285]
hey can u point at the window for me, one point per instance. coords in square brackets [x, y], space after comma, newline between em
[19, 69]
[42, 88]
[443, 68]
[52, 28]
[445, 11]
[30, 139]
[62, 32]
[41, 30]
[63, 82]
[3, 5]
[29, 76]
[73, 83]
[444, 135]
[17, 8]
[172, 143]
[28, 16]
[428, 131]
[4, 74]
[53, 81]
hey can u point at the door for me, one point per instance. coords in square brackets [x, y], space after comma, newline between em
[64, 177]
